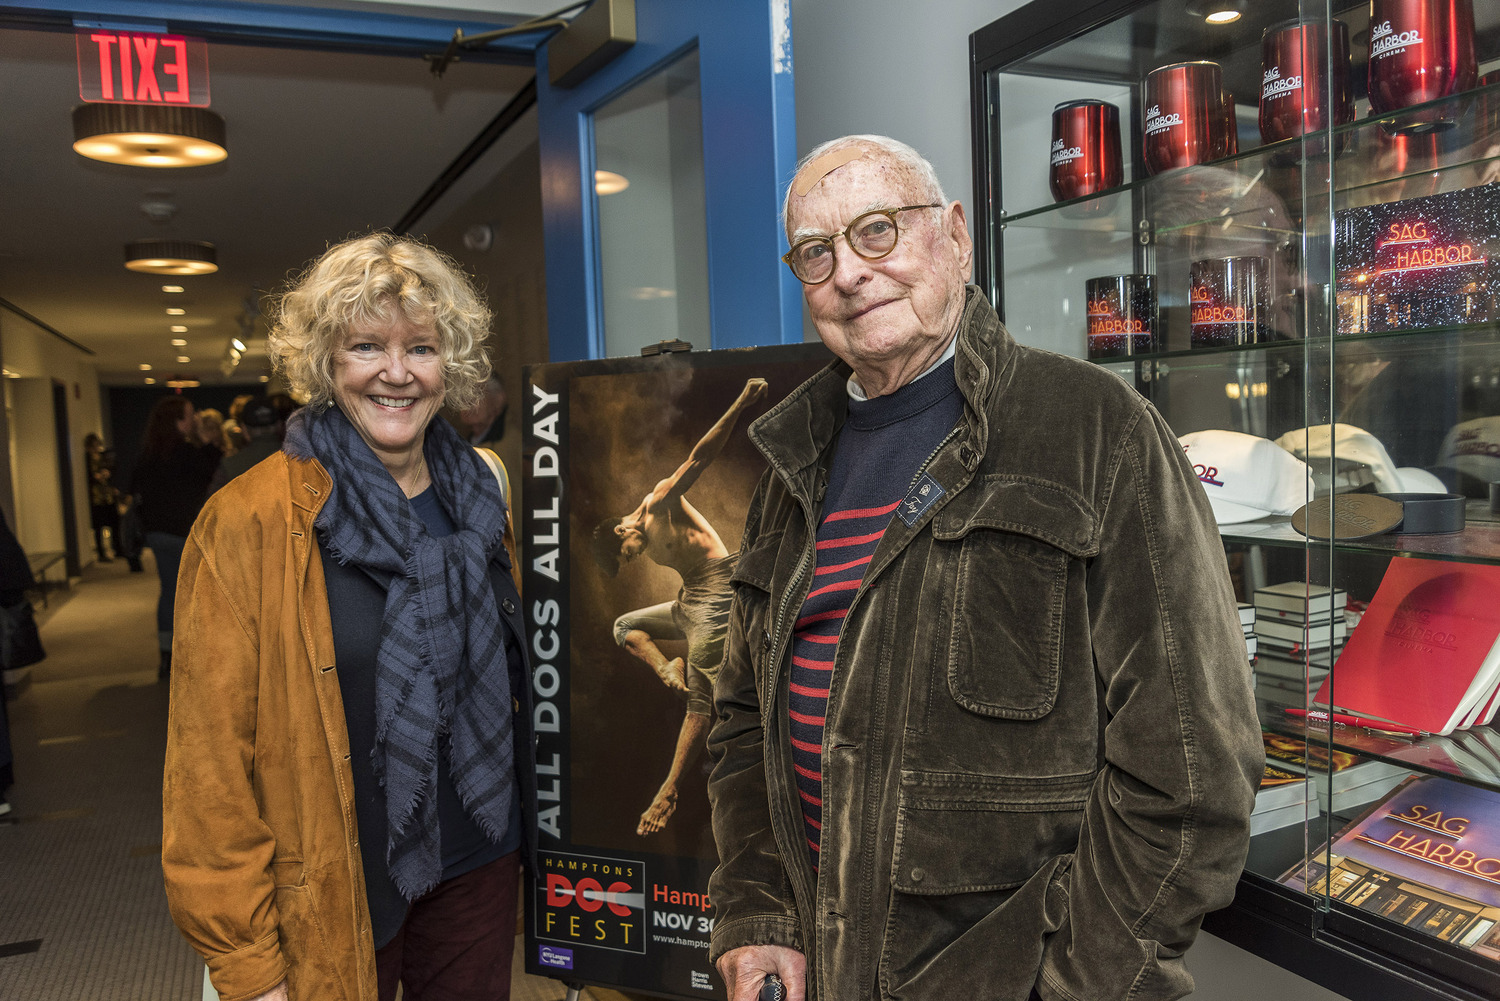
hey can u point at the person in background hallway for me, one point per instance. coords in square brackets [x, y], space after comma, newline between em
[211, 430]
[483, 424]
[350, 776]
[984, 726]
[261, 427]
[170, 482]
[15, 578]
[232, 429]
[103, 495]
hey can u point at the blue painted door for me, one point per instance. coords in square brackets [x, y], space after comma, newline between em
[599, 263]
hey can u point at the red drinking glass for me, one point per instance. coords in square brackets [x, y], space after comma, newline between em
[1297, 85]
[1085, 149]
[1420, 50]
[1184, 114]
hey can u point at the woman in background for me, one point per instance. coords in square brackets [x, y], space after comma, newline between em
[349, 751]
[170, 482]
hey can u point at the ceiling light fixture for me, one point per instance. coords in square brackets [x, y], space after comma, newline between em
[150, 381]
[177, 328]
[145, 367]
[178, 342]
[173, 288]
[1218, 11]
[607, 182]
[263, 378]
[171, 257]
[176, 311]
[184, 383]
[183, 359]
[148, 135]
[236, 343]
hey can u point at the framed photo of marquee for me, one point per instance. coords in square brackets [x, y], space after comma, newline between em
[637, 475]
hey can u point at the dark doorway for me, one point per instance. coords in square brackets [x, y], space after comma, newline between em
[69, 511]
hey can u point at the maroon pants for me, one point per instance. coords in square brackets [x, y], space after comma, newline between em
[457, 941]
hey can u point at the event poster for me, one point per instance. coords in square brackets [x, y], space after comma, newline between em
[637, 477]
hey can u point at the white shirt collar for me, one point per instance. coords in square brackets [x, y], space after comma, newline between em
[857, 392]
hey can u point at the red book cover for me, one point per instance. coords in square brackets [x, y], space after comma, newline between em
[1424, 653]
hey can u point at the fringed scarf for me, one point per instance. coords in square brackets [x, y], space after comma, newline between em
[442, 684]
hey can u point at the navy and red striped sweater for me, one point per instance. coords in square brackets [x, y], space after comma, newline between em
[883, 444]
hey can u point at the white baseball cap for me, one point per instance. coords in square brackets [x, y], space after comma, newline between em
[1247, 477]
[1473, 448]
[1359, 455]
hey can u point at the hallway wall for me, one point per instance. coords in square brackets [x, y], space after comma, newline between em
[33, 359]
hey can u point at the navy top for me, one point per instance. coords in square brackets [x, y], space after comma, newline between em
[880, 449]
[356, 601]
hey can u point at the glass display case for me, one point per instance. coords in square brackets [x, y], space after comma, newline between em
[1280, 221]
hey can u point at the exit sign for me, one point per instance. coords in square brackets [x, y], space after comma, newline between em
[130, 67]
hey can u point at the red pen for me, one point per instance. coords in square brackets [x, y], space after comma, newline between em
[1344, 719]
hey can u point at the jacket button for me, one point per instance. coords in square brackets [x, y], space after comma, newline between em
[509, 606]
[917, 875]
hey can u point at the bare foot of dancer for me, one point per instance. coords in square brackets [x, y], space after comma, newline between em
[659, 812]
[672, 673]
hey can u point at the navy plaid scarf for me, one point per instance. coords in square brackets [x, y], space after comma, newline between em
[440, 670]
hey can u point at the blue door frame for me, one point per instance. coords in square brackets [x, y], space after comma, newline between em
[749, 151]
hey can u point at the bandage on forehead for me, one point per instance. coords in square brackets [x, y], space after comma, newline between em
[822, 167]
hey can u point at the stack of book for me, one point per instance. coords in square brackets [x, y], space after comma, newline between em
[1426, 653]
[1299, 629]
[1422, 857]
[1247, 625]
[1296, 773]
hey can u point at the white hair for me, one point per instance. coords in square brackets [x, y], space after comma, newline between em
[908, 158]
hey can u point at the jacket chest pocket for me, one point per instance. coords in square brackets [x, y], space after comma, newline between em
[751, 580]
[1015, 542]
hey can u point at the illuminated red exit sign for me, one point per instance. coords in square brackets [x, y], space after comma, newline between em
[130, 67]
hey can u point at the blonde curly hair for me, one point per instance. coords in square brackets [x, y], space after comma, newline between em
[359, 281]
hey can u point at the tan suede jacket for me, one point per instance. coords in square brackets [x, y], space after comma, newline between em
[259, 845]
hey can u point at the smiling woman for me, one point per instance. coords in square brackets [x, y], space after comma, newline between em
[411, 609]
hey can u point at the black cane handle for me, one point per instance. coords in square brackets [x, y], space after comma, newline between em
[772, 989]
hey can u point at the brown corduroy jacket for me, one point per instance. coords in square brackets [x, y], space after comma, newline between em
[1041, 748]
[259, 844]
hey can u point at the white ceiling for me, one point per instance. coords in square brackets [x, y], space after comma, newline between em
[322, 145]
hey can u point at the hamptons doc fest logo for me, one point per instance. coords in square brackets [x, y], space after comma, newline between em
[592, 901]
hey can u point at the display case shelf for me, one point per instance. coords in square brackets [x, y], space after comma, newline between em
[1312, 209]
[1374, 160]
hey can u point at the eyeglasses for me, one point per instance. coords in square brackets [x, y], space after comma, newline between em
[871, 236]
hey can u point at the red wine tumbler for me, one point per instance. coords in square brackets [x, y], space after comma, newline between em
[1085, 149]
[1296, 85]
[1184, 114]
[1420, 50]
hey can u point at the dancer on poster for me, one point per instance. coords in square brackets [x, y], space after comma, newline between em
[667, 528]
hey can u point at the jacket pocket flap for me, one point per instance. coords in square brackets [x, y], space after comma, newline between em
[756, 564]
[959, 833]
[1041, 510]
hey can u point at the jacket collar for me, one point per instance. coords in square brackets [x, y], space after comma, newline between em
[794, 434]
[309, 483]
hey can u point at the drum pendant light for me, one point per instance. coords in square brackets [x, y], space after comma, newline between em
[149, 135]
[171, 257]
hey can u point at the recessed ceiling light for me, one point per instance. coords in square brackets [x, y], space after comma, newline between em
[176, 311]
[178, 342]
[178, 328]
[144, 367]
[173, 288]
[1217, 11]
[183, 383]
[150, 381]
[183, 359]
[265, 378]
[236, 343]
[607, 182]
[148, 135]
[171, 257]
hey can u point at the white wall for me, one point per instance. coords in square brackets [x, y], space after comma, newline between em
[917, 91]
[36, 358]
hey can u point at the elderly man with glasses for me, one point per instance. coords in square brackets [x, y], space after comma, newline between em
[984, 725]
